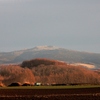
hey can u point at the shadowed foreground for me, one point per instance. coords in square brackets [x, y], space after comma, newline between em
[50, 94]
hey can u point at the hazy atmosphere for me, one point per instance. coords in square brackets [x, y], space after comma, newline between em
[72, 24]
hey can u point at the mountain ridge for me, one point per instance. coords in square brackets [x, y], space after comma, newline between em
[50, 52]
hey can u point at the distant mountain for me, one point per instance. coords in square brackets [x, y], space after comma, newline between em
[51, 52]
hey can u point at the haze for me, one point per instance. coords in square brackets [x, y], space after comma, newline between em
[72, 24]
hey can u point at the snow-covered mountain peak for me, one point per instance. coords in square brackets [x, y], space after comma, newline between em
[45, 48]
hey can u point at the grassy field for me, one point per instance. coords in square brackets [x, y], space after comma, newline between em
[51, 87]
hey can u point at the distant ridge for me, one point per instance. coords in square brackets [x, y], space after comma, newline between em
[51, 52]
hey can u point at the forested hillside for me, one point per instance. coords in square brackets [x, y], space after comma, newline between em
[47, 71]
[14, 73]
[40, 61]
[51, 71]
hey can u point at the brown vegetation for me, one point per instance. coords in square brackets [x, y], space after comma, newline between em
[65, 75]
[26, 84]
[2, 85]
[12, 74]
[47, 72]
[41, 61]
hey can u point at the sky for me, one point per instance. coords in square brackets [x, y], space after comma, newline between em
[71, 24]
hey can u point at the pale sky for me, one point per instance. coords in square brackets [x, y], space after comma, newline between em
[71, 24]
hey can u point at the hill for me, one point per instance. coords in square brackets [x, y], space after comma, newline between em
[47, 71]
[53, 71]
[51, 52]
[40, 61]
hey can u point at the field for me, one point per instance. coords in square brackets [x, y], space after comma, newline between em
[50, 93]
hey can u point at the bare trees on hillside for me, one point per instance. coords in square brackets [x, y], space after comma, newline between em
[16, 74]
[65, 74]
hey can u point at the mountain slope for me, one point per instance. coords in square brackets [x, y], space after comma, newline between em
[51, 52]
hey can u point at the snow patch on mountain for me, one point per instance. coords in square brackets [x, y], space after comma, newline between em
[89, 66]
[39, 48]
